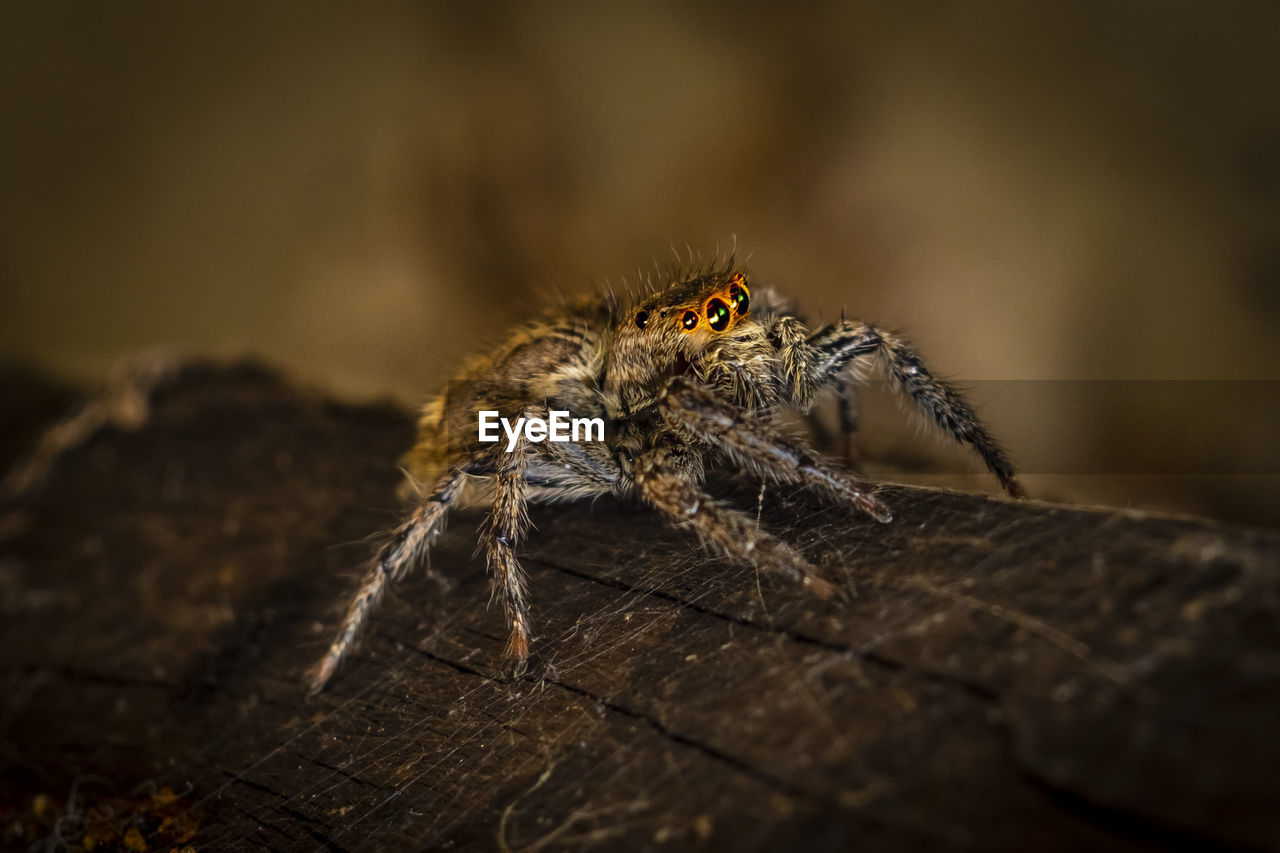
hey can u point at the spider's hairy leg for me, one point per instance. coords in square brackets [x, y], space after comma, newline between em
[758, 445]
[791, 337]
[847, 414]
[659, 483]
[508, 520]
[570, 471]
[405, 549]
[845, 440]
[830, 351]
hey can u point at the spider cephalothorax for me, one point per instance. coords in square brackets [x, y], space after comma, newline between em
[692, 372]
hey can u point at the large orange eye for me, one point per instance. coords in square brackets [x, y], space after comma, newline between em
[741, 298]
[690, 320]
[718, 315]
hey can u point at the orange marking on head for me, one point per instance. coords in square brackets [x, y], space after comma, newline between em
[721, 310]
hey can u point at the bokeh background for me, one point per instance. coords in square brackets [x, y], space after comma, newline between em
[1073, 208]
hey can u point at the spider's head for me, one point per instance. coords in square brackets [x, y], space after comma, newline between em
[671, 331]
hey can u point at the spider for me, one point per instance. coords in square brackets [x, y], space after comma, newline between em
[691, 373]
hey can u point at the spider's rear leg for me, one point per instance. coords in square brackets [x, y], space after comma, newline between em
[806, 377]
[731, 532]
[847, 418]
[844, 442]
[407, 546]
[761, 448]
[579, 471]
[829, 352]
[508, 520]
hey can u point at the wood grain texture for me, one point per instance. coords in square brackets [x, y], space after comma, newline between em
[1002, 675]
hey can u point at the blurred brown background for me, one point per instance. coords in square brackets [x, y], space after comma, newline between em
[365, 193]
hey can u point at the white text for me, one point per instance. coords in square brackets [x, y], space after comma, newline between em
[559, 427]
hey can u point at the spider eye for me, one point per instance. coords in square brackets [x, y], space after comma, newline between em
[741, 299]
[718, 315]
[641, 319]
[690, 320]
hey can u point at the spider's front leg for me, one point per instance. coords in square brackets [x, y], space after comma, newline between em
[758, 446]
[405, 549]
[666, 484]
[814, 360]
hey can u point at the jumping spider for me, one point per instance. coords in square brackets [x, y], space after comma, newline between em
[692, 372]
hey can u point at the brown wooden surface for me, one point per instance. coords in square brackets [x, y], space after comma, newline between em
[1008, 675]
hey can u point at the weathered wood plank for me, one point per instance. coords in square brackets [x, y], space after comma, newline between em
[1006, 675]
